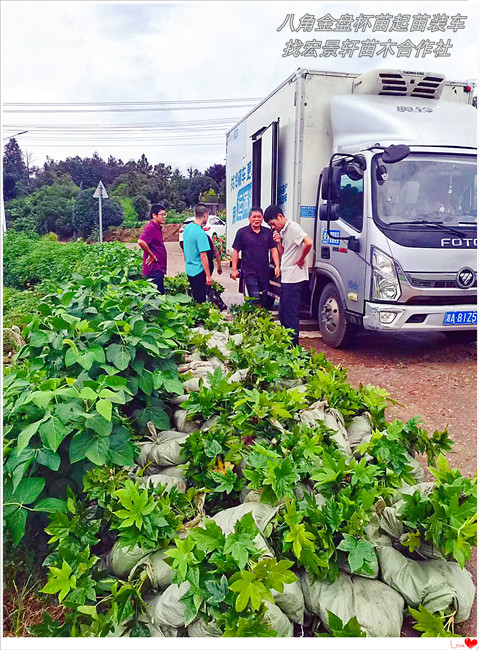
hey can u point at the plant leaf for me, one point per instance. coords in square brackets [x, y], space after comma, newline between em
[53, 432]
[104, 408]
[97, 452]
[361, 554]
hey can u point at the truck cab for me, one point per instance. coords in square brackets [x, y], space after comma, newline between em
[397, 233]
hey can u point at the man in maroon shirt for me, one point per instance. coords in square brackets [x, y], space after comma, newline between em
[154, 251]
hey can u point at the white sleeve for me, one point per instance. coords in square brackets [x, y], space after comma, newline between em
[298, 234]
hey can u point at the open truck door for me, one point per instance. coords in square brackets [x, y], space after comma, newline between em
[265, 180]
[265, 165]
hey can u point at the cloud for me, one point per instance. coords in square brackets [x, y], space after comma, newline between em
[130, 52]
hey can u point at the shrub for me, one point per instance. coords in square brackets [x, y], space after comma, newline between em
[18, 304]
[28, 261]
[173, 217]
[48, 209]
[130, 214]
[142, 207]
[85, 218]
[50, 236]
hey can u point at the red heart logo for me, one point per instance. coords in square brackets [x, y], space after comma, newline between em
[470, 642]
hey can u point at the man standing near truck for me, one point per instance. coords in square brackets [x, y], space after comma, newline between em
[293, 246]
[153, 247]
[255, 242]
[195, 249]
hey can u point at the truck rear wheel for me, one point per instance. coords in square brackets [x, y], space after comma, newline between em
[334, 328]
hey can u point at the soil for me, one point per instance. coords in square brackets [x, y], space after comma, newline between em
[129, 235]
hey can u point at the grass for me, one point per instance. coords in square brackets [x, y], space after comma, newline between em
[17, 304]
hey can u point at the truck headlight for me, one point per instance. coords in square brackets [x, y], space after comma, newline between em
[385, 284]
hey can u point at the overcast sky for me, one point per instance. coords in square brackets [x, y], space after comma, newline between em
[65, 52]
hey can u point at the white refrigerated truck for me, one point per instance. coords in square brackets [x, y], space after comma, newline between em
[380, 170]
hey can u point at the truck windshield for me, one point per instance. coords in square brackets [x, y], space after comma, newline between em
[426, 189]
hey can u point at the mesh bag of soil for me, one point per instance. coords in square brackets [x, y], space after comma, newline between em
[164, 451]
[163, 479]
[435, 584]
[377, 607]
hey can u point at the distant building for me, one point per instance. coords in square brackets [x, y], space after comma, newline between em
[214, 208]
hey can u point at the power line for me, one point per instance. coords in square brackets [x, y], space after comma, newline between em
[145, 103]
[126, 130]
[178, 123]
[128, 139]
[127, 110]
[143, 145]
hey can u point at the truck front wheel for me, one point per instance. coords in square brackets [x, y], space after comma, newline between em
[334, 328]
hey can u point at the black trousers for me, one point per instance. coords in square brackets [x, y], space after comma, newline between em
[257, 288]
[198, 286]
[158, 278]
[290, 306]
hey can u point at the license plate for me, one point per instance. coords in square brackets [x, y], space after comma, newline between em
[460, 318]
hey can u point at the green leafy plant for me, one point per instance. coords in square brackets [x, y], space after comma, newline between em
[143, 516]
[447, 517]
[432, 625]
[276, 477]
[416, 439]
[339, 629]
[228, 581]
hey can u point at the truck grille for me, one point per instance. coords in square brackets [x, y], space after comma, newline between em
[447, 300]
[447, 281]
[396, 84]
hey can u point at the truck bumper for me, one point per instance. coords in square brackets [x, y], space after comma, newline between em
[412, 318]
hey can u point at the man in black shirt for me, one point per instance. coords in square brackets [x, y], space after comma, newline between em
[255, 242]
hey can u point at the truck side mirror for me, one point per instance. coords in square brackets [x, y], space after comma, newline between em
[335, 184]
[354, 244]
[334, 214]
[354, 173]
[395, 153]
[381, 174]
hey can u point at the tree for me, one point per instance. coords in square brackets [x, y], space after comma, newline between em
[142, 207]
[85, 217]
[14, 169]
[217, 172]
[143, 166]
[179, 190]
[209, 197]
[135, 182]
[192, 172]
[199, 184]
[48, 209]
[54, 214]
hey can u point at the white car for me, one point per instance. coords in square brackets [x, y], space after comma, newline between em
[214, 227]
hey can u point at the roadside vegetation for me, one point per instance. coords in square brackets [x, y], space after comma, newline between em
[58, 198]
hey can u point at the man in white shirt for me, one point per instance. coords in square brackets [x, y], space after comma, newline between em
[293, 247]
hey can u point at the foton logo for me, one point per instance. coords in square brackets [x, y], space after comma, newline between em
[465, 278]
[466, 242]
